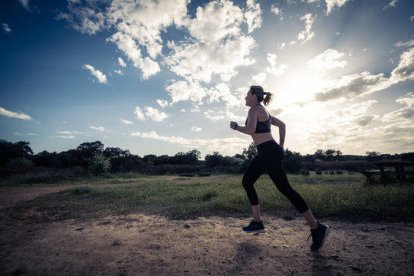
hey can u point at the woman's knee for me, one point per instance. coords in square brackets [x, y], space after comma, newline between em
[246, 182]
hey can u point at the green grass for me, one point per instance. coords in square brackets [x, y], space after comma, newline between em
[338, 196]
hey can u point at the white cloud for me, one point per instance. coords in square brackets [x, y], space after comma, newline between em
[126, 122]
[27, 7]
[253, 16]
[151, 113]
[222, 92]
[408, 43]
[139, 114]
[24, 134]
[214, 116]
[119, 72]
[351, 86]
[307, 34]
[6, 28]
[218, 44]
[129, 47]
[412, 18]
[100, 129]
[162, 103]
[405, 69]
[391, 4]
[65, 136]
[213, 23]
[212, 59]
[405, 113]
[329, 59]
[121, 62]
[155, 114]
[101, 77]
[139, 25]
[281, 46]
[222, 145]
[276, 10]
[68, 134]
[184, 91]
[331, 4]
[196, 129]
[259, 78]
[273, 68]
[84, 19]
[356, 85]
[12, 114]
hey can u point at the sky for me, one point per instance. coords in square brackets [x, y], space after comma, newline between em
[162, 77]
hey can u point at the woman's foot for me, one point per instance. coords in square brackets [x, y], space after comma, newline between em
[254, 226]
[319, 236]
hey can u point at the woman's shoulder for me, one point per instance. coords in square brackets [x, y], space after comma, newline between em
[259, 109]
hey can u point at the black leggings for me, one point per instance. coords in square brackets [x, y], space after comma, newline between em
[270, 159]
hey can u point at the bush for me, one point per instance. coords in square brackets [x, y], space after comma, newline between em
[99, 164]
[19, 163]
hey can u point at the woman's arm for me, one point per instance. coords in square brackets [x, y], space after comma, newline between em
[282, 130]
[250, 128]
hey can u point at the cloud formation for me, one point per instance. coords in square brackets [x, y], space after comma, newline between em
[307, 34]
[351, 86]
[222, 145]
[17, 115]
[329, 59]
[150, 113]
[126, 122]
[331, 4]
[6, 28]
[100, 77]
[100, 129]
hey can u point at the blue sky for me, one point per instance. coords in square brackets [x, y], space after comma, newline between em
[161, 77]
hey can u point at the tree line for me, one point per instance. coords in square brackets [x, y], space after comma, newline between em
[94, 158]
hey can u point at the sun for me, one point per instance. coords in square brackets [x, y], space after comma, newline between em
[299, 87]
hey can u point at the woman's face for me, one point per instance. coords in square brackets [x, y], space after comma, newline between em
[251, 100]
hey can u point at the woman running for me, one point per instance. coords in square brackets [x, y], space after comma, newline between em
[269, 159]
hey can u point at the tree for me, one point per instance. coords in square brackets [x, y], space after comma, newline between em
[115, 152]
[292, 161]
[373, 156]
[250, 152]
[99, 164]
[18, 150]
[86, 151]
[213, 160]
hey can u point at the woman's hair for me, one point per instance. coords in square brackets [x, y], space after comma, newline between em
[260, 94]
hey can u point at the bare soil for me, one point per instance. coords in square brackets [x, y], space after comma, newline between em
[144, 244]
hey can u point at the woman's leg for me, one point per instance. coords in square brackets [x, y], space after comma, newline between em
[251, 175]
[278, 175]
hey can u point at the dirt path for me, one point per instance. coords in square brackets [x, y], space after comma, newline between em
[142, 244]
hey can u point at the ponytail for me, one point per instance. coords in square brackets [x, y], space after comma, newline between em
[267, 98]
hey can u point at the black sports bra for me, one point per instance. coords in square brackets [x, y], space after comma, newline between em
[263, 127]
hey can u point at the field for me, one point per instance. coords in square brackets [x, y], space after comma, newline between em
[135, 224]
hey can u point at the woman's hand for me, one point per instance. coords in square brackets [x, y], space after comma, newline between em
[233, 125]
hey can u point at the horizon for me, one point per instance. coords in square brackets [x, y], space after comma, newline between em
[167, 77]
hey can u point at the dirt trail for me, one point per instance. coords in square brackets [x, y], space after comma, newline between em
[143, 244]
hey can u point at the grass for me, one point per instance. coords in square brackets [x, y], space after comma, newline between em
[341, 197]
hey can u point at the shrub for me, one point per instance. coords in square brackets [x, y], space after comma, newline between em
[99, 164]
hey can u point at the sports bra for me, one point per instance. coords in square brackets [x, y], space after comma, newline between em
[263, 127]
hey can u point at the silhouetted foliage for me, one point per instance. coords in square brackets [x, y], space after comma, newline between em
[292, 161]
[94, 158]
[18, 150]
